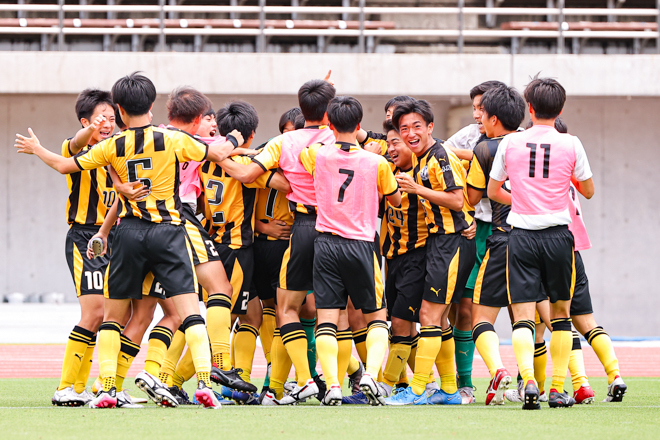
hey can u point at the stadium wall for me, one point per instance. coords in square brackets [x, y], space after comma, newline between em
[614, 114]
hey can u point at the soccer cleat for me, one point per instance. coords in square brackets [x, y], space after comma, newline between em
[180, 395]
[300, 394]
[105, 399]
[221, 398]
[584, 395]
[124, 401]
[515, 396]
[385, 388]
[407, 397]
[269, 399]
[467, 395]
[264, 390]
[371, 389]
[68, 397]
[616, 390]
[289, 387]
[560, 400]
[333, 396]
[232, 379]
[432, 387]
[441, 397]
[245, 398]
[138, 400]
[543, 397]
[497, 387]
[354, 379]
[356, 399]
[530, 396]
[206, 396]
[323, 388]
[157, 391]
[87, 395]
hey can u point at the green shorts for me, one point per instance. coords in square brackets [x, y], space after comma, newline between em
[483, 232]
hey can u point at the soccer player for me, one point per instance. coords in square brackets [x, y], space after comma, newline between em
[348, 182]
[540, 163]
[91, 194]
[439, 181]
[502, 110]
[296, 273]
[151, 236]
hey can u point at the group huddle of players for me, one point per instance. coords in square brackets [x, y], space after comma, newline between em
[290, 245]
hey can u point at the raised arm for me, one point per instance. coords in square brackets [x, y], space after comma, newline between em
[220, 150]
[31, 145]
[81, 139]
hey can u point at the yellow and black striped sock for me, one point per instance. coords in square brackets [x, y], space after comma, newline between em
[280, 365]
[540, 364]
[218, 319]
[561, 342]
[523, 346]
[328, 351]
[74, 354]
[488, 345]
[295, 342]
[109, 347]
[344, 349]
[172, 357]
[83, 373]
[445, 362]
[397, 359]
[413, 352]
[360, 341]
[428, 347]
[602, 345]
[576, 364]
[199, 346]
[160, 339]
[127, 354]
[266, 331]
[245, 343]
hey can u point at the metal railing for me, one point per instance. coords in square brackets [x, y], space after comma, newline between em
[263, 31]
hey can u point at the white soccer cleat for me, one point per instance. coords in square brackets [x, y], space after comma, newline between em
[155, 389]
[371, 389]
[125, 401]
[206, 396]
[87, 395]
[467, 395]
[332, 396]
[515, 396]
[616, 390]
[105, 399]
[290, 387]
[269, 399]
[386, 389]
[68, 397]
[300, 394]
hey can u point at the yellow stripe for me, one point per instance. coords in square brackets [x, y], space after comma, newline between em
[537, 317]
[192, 265]
[452, 276]
[236, 283]
[105, 282]
[480, 278]
[508, 292]
[378, 279]
[285, 263]
[197, 242]
[77, 268]
[573, 275]
[147, 283]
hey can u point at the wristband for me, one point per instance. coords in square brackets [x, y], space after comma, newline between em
[232, 139]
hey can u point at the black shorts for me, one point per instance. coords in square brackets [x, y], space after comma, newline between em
[581, 303]
[141, 247]
[151, 287]
[539, 260]
[449, 261]
[203, 248]
[490, 287]
[298, 261]
[346, 268]
[268, 256]
[404, 284]
[88, 275]
[239, 265]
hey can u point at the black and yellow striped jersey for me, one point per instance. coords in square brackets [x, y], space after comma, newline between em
[440, 170]
[91, 193]
[150, 155]
[379, 138]
[229, 205]
[479, 175]
[406, 225]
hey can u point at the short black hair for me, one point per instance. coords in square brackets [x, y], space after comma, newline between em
[187, 103]
[388, 126]
[135, 93]
[299, 122]
[119, 122]
[289, 116]
[482, 88]
[345, 113]
[560, 125]
[209, 112]
[546, 96]
[419, 106]
[505, 103]
[398, 100]
[89, 99]
[313, 98]
[237, 115]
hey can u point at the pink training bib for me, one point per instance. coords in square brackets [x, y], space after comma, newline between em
[577, 226]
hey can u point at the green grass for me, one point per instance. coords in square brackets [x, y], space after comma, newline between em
[25, 412]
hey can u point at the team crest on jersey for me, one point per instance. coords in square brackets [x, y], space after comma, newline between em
[424, 173]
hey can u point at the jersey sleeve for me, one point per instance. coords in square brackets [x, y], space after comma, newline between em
[448, 172]
[97, 156]
[460, 139]
[262, 181]
[378, 138]
[270, 155]
[476, 177]
[189, 148]
[498, 170]
[308, 157]
[582, 170]
[66, 151]
[387, 184]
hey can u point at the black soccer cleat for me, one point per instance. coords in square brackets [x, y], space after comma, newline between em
[531, 396]
[180, 395]
[560, 400]
[322, 387]
[231, 379]
[355, 378]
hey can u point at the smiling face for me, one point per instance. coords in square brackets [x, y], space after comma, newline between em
[398, 151]
[208, 127]
[489, 124]
[477, 111]
[414, 131]
[106, 128]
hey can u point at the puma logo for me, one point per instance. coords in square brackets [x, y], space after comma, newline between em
[399, 357]
[125, 357]
[436, 291]
[463, 352]
[412, 310]
[78, 356]
[442, 159]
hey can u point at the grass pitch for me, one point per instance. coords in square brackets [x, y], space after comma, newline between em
[25, 412]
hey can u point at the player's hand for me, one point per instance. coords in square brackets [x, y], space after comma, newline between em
[276, 228]
[327, 78]
[406, 183]
[90, 252]
[135, 191]
[373, 147]
[470, 232]
[240, 151]
[239, 137]
[27, 145]
[97, 122]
